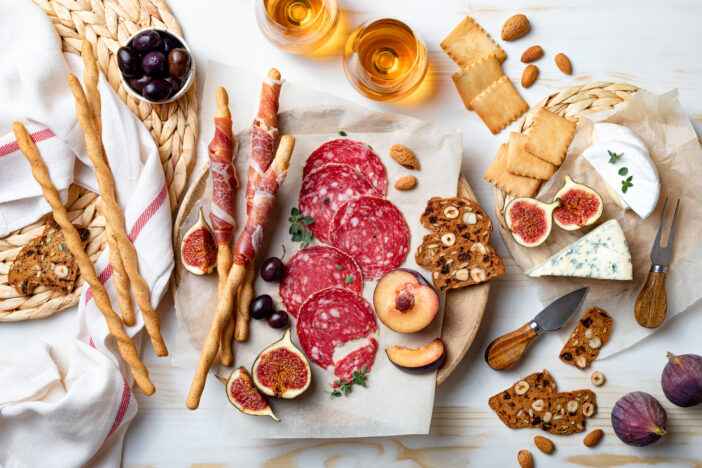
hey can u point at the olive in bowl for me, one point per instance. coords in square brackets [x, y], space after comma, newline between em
[156, 66]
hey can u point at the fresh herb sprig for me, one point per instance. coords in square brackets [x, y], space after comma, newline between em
[359, 377]
[298, 228]
[626, 183]
[344, 386]
[614, 157]
[623, 171]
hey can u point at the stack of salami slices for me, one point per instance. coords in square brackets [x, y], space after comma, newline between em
[343, 190]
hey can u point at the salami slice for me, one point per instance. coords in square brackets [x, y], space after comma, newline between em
[329, 318]
[355, 360]
[374, 232]
[353, 153]
[325, 189]
[316, 268]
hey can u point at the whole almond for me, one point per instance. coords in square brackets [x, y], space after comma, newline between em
[529, 75]
[544, 444]
[563, 64]
[524, 459]
[515, 27]
[406, 182]
[593, 438]
[532, 53]
[404, 156]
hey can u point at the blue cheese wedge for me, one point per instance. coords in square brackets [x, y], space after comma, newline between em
[601, 254]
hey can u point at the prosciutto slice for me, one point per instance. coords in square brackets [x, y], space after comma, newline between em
[224, 180]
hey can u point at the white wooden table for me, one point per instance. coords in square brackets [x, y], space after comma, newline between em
[654, 45]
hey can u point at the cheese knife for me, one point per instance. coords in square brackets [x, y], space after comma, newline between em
[506, 350]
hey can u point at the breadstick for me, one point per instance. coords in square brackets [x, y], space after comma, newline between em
[125, 345]
[119, 275]
[244, 298]
[245, 251]
[114, 216]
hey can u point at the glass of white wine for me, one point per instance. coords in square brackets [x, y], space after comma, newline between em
[385, 60]
[297, 26]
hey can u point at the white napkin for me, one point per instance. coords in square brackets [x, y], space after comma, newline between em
[71, 400]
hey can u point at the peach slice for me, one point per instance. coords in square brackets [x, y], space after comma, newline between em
[418, 361]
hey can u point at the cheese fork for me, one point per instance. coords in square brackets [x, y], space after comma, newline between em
[651, 305]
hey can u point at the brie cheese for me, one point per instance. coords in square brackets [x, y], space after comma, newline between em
[601, 254]
[642, 195]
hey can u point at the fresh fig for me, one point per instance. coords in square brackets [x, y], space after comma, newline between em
[530, 220]
[580, 206]
[198, 248]
[639, 419]
[244, 396]
[682, 380]
[282, 370]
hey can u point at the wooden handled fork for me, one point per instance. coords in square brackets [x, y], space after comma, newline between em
[651, 305]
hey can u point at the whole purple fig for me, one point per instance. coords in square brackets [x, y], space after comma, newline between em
[639, 419]
[682, 380]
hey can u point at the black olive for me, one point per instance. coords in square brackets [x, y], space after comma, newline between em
[178, 63]
[154, 64]
[138, 83]
[261, 307]
[169, 42]
[272, 269]
[129, 62]
[156, 90]
[146, 41]
[278, 319]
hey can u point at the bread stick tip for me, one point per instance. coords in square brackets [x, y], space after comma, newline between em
[273, 74]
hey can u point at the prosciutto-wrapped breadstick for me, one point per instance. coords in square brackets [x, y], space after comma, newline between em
[245, 250]
[224, 185]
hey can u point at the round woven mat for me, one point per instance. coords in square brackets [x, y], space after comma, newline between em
[570, 103]
[106, 24]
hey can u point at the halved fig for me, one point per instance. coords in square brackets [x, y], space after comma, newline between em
[429, 357]
[244, 396]
[530, 220]
[405, 301]
[282, 370]
[580, 206]
[198, 248]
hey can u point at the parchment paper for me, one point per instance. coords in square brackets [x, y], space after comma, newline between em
[661, 123]
[394, 402]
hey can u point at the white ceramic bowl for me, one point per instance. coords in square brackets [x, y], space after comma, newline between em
[186, 84]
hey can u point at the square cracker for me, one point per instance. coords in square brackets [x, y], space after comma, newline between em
[468, 43]
[499, 104]
[473, 80]
[522, 162]
[516, 185]
[550, 136]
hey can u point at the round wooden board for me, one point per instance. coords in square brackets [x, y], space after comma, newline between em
[463, 310]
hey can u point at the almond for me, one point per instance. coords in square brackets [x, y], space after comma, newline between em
[563, 64]
[404, 156]
[593, 438]
[515, 27]
[529, 75]
[532, 53]
[406, 182]
[544, 444]
[524, 459]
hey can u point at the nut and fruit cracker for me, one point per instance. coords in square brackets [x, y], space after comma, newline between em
[550, 136]
[46, 261]
[564, 412]
[465, 265]
[468, 43]
[590, 334]
[498, 175]
[436, 242]
[473, 80]
[522, 162]
[510, 403]
[499, 104]
[455, 215]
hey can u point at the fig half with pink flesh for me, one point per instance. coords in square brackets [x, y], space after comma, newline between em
[529, 220]
[429, 357]
[244, 396]
[281, 370]
[405, 301]
[580, 206]
[198, 248]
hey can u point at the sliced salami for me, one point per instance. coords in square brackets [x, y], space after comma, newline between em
[316, 268]
[373, 231]
[355, 360]
[329, 318]
[325, 189]
[355, 154]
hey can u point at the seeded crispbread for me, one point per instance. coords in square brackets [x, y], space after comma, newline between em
[456, 215]
[465, 264]
[509, 406]
[590, 334]
[46, 261]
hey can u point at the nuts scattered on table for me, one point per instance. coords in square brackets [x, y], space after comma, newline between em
[448, 239]
[404, 156]
[572, 406]
[529, 75]
[563, 64]
[524, 459]
[406, 183]
[593, 438]
[538, 405]
[515, 27]
[534, 52]
[597, 378]
[588, 409]
[544, 444]
[521, 387]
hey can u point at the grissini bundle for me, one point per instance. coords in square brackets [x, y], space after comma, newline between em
[119, 275]
[114, 324]
[245, 248]
[224, 185]
[114, 217]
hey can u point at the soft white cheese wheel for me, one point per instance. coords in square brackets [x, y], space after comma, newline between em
[611, 132]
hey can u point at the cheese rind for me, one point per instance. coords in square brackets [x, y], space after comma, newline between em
[601, 254]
